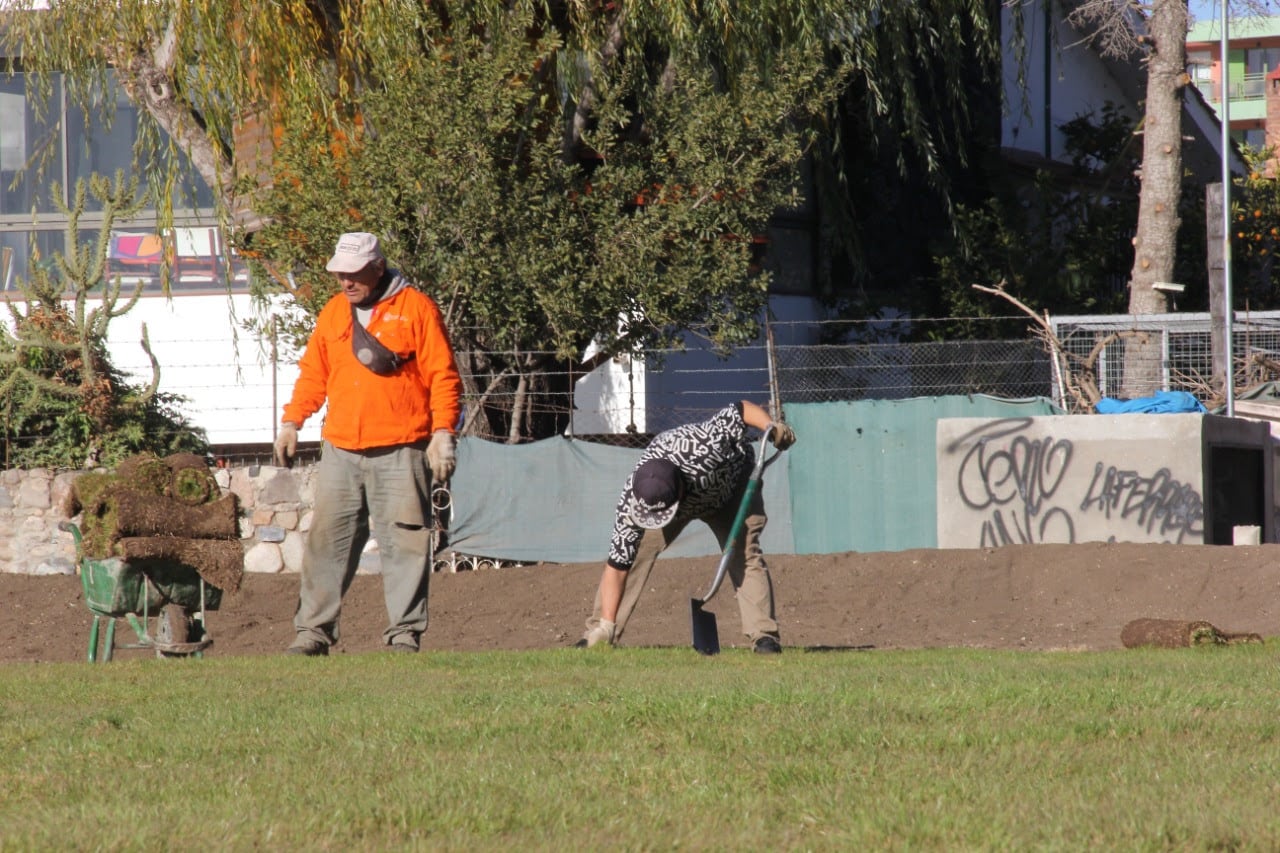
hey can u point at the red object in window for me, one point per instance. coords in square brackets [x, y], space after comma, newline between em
[135, 256]
[137, 249]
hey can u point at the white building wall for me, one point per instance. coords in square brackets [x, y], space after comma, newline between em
[232, 389]
[1064, 79]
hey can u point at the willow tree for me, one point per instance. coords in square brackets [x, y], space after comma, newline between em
[554, 173]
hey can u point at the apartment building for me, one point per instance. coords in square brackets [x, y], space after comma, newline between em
[1252, 74]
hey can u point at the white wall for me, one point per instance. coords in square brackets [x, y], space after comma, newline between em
[1074, 83]
[205, 355]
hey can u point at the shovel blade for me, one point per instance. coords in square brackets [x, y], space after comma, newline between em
[706, 638]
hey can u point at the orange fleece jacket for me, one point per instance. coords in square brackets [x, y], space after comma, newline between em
[367, 410]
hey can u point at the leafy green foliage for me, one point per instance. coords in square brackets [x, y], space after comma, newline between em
[531, 248]
[1062, 244]
[62, 403]
[43, 430]
[1255, 232]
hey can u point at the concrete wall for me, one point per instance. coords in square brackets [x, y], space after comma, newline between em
[1177, 478]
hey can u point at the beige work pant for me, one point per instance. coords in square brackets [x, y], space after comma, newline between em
[747, 569]
[389, 488]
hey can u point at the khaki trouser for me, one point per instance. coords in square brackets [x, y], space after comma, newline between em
[747, 569]
[391, 488]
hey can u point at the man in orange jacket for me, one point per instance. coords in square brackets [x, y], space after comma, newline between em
[381, 359]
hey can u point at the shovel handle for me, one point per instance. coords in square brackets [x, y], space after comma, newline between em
[753, 486]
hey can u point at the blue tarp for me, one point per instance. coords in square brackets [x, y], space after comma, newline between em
[1166, 402]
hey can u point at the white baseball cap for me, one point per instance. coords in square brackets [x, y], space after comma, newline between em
[355, 251]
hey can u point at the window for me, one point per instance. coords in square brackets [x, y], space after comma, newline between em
[1254, 137]
[23, 257]
[23, 135]
[1260, 60]
[74, 148]
[1200, 69]
[197, 259]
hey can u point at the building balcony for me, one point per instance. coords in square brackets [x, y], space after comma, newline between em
[1248, 96]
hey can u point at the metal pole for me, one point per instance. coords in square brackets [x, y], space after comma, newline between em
[1228, 312]
[275, 372]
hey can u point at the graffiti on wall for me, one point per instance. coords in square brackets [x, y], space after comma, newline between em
[1025, 487]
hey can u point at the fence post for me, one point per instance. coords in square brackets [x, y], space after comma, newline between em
[775, 397]
[275, 372]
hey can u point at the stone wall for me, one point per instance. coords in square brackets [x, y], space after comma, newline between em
[275, 515]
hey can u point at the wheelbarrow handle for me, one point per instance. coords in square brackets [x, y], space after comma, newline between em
[753, 486]
[70, 527]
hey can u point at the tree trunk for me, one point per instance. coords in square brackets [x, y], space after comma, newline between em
[1156, 239]
[148, 78]
[518, 403]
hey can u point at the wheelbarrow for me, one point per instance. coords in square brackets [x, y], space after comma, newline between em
[163, 602]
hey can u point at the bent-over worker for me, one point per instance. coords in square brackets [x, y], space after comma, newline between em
[696, 471]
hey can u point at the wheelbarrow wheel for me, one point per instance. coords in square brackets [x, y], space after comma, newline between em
[173, 629]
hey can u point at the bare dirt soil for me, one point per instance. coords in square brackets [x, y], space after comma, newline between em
[1076, 597]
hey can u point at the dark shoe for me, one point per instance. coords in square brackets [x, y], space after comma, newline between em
[767, 645]
[581, 644]
[403, 647]
[310, 648]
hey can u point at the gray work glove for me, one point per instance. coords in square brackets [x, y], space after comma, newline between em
[781, 435]
[286, 445]
[601, 633]
[442, 455]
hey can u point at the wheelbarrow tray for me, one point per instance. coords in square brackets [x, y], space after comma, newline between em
[115, 587]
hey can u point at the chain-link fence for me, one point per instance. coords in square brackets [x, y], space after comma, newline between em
[1180, 348]
[825, 373]
[521, 397]
[630, 398]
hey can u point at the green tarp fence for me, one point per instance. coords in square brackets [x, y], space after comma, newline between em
[862, 477]
[866, 478]
[554, 500]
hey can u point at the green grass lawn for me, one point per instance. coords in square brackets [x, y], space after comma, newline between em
[645, 749]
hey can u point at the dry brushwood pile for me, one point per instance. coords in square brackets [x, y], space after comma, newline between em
[161, 511]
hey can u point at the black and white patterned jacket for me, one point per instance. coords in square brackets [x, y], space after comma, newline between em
[714, 457]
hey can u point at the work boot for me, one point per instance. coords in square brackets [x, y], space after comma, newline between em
[403, 643]
[767, 645]
[308, 647]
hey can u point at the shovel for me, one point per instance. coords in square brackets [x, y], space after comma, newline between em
[706, 638]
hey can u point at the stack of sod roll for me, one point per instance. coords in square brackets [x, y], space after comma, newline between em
[171, 511]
